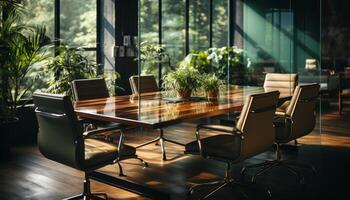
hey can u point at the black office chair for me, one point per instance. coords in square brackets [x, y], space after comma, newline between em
[86, 89]
[61, 139]
[298, 121]
[148, 83]
[254, 133]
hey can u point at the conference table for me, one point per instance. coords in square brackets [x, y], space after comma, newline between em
[157, 110]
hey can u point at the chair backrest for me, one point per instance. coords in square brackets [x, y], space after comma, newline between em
[60, 135]
[147, 84]
[281, 82]
[302, 109]
[256, 123]
[84, 89]
[311, 64]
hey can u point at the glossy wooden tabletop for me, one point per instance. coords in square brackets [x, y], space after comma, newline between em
[156, 111]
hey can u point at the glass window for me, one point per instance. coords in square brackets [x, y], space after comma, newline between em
[40, 13]
[199, 25]
[220, 23]
[78, 22]
[173, 31]
[149, 23]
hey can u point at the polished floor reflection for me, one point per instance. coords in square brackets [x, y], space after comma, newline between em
[30, 176]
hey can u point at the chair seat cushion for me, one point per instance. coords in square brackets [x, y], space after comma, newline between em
[229, 129]
[219, 146]
[97, 151]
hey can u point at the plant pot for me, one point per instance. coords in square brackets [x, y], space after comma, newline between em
[27, 128]
[213, 95]
[7, 127]
[184, 94]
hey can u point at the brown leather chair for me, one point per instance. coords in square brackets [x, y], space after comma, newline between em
[61, 139]
[285, 83]
[254, 133]
[298, 121]
[86, 89]
[147, 84]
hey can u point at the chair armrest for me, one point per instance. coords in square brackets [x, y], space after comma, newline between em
[280, 114]
[221, 128]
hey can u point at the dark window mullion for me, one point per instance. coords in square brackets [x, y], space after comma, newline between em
[160, 35]
[57, 25]
[187, 23]
[211, 23]
[98, 34]
[231, 21]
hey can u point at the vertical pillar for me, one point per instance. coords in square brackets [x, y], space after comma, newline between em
[118, 18]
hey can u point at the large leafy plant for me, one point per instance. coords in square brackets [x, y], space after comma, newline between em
[21, 48]
[71, 64]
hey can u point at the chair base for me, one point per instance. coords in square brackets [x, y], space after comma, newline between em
[94, 196]
[220, 185]
[161, 140]
[87, 195]
[268, 165]
[228, 181]
[121, 171]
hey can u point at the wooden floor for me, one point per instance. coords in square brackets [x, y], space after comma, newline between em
[31, 176]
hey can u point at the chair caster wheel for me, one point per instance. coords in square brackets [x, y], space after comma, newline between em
[253, 179]
[268, 194]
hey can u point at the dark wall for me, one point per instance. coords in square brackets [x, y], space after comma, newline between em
[336, 34]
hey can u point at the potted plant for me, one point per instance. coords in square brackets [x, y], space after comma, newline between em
[210, 83]
[184, 80]
[21, 48]
[71, 64]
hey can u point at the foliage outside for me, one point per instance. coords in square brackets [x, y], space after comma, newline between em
[153, 55]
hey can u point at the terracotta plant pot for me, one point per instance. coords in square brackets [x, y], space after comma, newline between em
[184, 94]
[213, 95]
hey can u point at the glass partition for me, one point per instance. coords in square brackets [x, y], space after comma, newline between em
[237, 41]
[283, 36]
